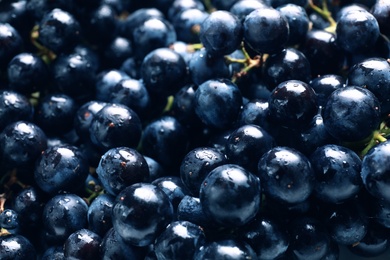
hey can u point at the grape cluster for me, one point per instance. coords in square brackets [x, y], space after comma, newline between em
[194, 129]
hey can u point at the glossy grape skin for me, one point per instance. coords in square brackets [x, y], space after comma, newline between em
[267, 236]
[27, 73]
[218, 103]
[179, 6]
[324, 55]
[351, 113]
[190, 209]
[309, 239]
[179, 240]
[59, 30]
[242, 8]
[106, 81]
[163, 71]
[165, 140]
[62, 215]
[152, 34]
[16, 247]
[83, 117]
[21, 143]
[203, 67]
[53, 253]
[156, 170]
[197, 164]
[240, 186]
[61, 168]
[221, 33]
[286, 175]
[374, 243]
[82, 244]
[183, 105]
[141, 213]
[11, 42]
[324, 86]
[347, 223]
[349, 31]
[115, 125]
[298, 22]
[28, 203]
[373, 74]
[225, 249]
[10, 220]
[247, 144]
[14, 107]
[292, 104]
[374, 173]
[288, 64]
[74, 75]
[55, 114]
[99, 214]
[337, 171]
[173, 187]
[120, 167]
[187, 24]
[266, 30]
[113, 247]
[380, 10]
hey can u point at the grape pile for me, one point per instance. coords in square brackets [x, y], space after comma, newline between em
[194, 129]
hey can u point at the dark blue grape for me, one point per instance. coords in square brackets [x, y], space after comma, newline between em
[373, 74]
[21, 143]
[350, 28]
[375, 166]
[286, 175]
[289, 64]
[11, 42]
[141, 213]
[240, 186]
[63, 214]
[117, 51]
[221, 33]
[113, 247]
[351, 113]
[27, 73]
[84, 116]
[309, 239]
[115, 125]
[102, 25]
[380, 10]
[324, 86]
[292, 104]
[298, 22]
[29, 203]
[197, 164]
[10, 220]
[267, 236]
[187, 24]
[203, 67]
[266, 30]
[218, 103]
[14, 107]
[99, 214]
[120, 167]
[152, 34]
[82, 244]
[190, 209]
[16, 247]
[225, 249]
[165, 140]
[106, 81]
[179, 240]
[346, 223]
[61, 168]
[255, 112]
[156, 170]
[247, 144]
[55, 114]
[53, 253]
[163, 71]
[337, 171]
[59, 30]
[242, 8]
[179, 6]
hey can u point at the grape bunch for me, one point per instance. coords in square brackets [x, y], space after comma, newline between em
[194, 129]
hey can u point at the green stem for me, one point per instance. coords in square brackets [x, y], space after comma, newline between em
[377, 138]
[325, 13]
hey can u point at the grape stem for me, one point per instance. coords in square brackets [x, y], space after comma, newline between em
[379, 136]
[249, 63]
[325, 13]
[46, 54]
